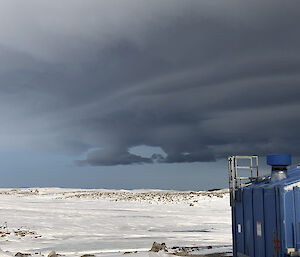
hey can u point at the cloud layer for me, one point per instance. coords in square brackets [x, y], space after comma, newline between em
[201, 80]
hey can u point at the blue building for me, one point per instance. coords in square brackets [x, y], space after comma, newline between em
[265, 210]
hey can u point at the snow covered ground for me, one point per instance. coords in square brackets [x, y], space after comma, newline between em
[74, 222]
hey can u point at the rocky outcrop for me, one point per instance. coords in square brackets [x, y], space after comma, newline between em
[156, 247]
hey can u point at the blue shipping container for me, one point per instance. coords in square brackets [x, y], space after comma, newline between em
[266, 213]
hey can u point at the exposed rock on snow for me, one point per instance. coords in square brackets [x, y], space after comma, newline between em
[196, 251]
[156, 247]
[18, 254]
[20, 232]
[149, 196]
[52, 254]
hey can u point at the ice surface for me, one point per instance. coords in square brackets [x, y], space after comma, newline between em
[109, 222]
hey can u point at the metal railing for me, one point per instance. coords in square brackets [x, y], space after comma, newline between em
[236, 181]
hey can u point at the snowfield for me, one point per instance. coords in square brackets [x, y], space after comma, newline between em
[74, 222]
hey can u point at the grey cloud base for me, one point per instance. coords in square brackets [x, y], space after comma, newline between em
[200, 80]
[110, 157]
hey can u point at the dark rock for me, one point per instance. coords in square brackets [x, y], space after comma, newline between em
[22, 254]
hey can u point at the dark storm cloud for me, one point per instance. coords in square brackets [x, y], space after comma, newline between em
[201, 80]
[113, 157]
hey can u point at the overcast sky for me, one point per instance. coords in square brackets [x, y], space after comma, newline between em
[145, 93]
